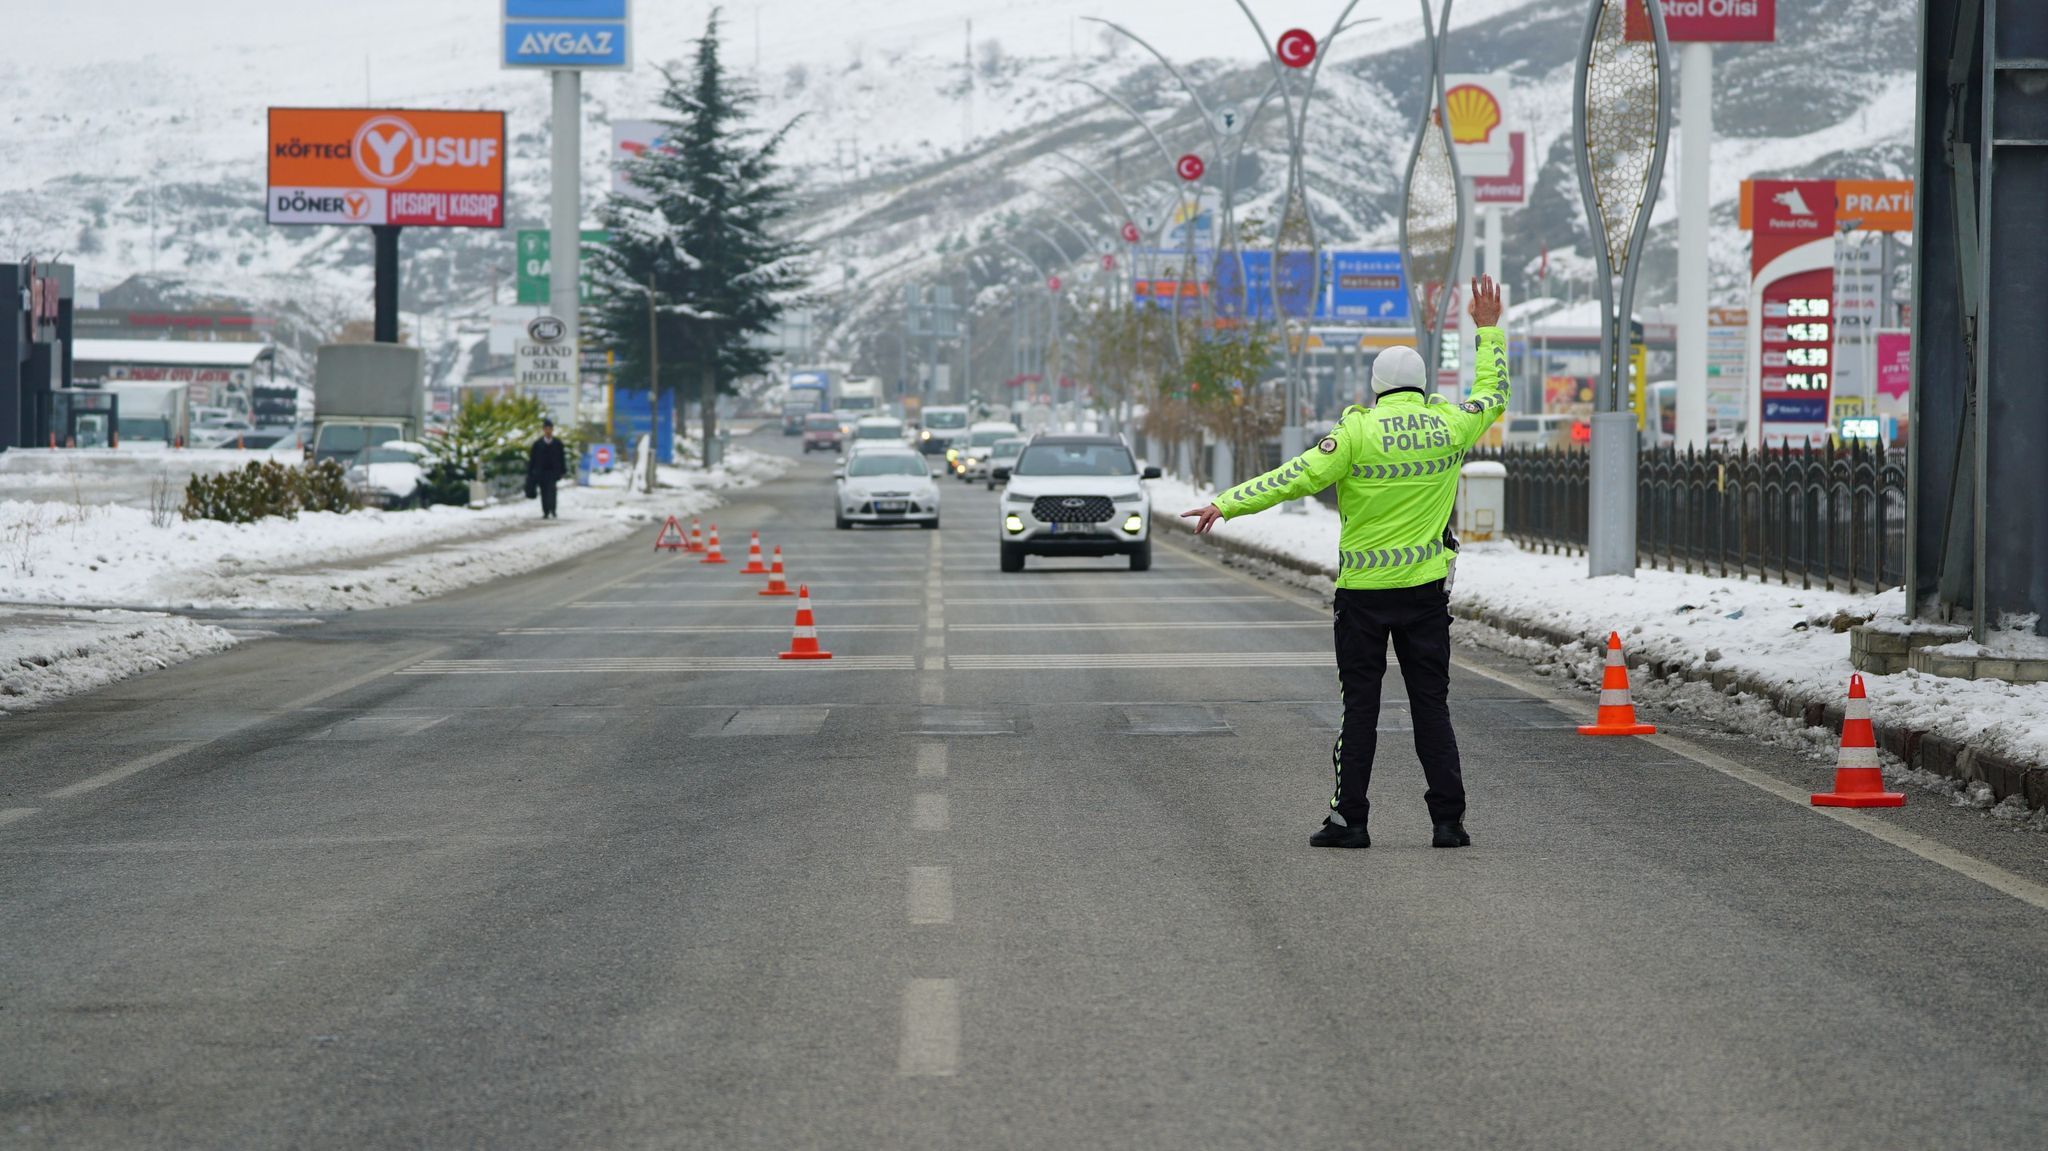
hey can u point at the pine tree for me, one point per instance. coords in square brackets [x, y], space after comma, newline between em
[702, 231]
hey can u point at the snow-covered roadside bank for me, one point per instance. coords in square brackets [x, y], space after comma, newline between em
[62, 554]
[1739, 651]
[46, 654]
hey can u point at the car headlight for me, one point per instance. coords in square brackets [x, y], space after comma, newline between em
[924, 435]
[1134, 523]
[1012, 523]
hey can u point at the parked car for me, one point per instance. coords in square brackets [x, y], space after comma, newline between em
[1075, 495]
[1003, 454]
[390, 475]
[885, 486]
[823, 432]
[970, 460]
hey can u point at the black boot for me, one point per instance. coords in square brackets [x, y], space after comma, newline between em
[1450, 834]
[1334, 834]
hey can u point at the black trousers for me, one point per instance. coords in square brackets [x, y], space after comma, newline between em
[547, 497]
[1418, 619]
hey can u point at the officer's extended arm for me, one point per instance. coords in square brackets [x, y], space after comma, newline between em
[1490, 389]
[1304, 475]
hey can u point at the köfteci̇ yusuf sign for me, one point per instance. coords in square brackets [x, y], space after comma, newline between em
[411, 167]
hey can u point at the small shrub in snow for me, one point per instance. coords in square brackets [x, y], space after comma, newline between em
[268, 488]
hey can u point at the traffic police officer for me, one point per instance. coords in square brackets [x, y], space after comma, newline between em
[1395, 465]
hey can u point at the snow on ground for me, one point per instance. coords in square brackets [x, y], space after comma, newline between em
[76, 553]
[45, 654]
[1781, 636]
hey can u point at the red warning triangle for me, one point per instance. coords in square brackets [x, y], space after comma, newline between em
[671, 537]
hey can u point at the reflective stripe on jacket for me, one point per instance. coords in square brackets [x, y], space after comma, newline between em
[1395, 465]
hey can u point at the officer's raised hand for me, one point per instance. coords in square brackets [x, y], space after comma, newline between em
[1485, 302]
[1205, 517]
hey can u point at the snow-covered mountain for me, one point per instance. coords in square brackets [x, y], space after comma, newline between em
[131, 131]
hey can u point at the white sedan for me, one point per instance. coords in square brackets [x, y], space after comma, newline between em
[879, 486]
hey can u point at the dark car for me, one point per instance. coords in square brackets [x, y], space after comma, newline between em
[823, 432]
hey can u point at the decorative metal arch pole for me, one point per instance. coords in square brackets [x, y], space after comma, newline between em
[1432, 210]
[1130, 301]
[1291, 437]
[1173, 328]
[1059, 349]
[1044, 277]
[1621, 122]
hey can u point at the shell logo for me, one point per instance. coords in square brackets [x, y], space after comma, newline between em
[1474, 114]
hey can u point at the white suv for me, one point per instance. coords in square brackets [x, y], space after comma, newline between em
[1075, 495]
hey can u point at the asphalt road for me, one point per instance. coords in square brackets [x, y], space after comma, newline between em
[570, 861]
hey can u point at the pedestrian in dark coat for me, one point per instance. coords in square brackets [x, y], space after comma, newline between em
[546, 464]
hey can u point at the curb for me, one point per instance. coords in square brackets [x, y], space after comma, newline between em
[1918, 749]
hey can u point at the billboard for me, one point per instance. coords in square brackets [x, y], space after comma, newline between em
[1512, 189]
[1476, 106]
[386, 166]
[1858, 205]
[587, 35]
[1783, 214]
[1368, 286]
[1708, 21]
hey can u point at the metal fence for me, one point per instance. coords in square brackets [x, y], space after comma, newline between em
[1830, 516]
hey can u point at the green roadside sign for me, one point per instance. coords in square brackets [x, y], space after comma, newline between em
[534, 264]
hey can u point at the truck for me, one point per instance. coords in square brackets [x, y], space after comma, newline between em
[151, 412]
[860, 396]
[364, 395]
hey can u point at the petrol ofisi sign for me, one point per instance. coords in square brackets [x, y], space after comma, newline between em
[1708, 21]
[386, 166]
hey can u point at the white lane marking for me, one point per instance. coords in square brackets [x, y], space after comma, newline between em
[931, 895]
[133, 766]
[706, 629]
[729, 604]
[1056, 601]
[935, 640]
[931, 688]
[931, 761]
[1970, 867]
[1165, 660]
[931, 1028]
[642, 665]
[15, 814]
[930, 811]
[1145, 625]
[117, 774]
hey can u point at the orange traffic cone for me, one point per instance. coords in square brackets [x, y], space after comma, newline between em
[775, 584]
[696, 535]
[1858, 780]
[754, 564]
[803, 642]
[663, 542]
[1617, 714]
[712, 555]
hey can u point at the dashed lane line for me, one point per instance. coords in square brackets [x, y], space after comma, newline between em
[729, 604]
[1057, 601]
[12, 814]
[931, 1028]
[931, 761]
[700, 629]
[1143, 625]
[643, 665]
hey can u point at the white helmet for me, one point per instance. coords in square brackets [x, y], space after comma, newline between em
[1398, 367]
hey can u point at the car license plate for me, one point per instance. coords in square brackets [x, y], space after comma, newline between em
[885, 506]
[1060, 529]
